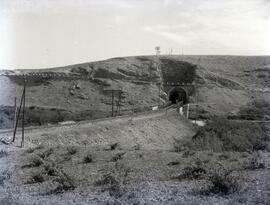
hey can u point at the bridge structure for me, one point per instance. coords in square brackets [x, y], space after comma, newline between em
[178, 91]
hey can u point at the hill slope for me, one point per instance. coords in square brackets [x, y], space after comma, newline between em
[78, 92]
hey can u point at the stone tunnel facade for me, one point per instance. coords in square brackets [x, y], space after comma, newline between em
[180, 92]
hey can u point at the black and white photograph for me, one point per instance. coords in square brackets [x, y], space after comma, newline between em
[134, 102]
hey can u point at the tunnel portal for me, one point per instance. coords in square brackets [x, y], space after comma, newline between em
[178, 94]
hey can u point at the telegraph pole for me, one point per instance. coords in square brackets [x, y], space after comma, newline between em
[22, 142]
[112, 101]
[196, 91]
[22, 106]
[113, 96]
[159, 94]
[15, 113]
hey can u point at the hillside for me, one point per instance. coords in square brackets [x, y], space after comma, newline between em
[78, 92]
[156, 157]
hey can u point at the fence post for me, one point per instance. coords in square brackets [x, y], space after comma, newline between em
[159, 95]
[17, 118]
[187, 110]
[112, 102]
[22, 142]
[15, 113]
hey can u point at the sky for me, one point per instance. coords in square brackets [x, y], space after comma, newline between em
[49, 33]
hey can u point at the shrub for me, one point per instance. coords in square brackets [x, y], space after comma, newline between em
[3, 153]
[262, 76]
[88, 158]
[46, 153]
[50, 170]
[255, 162]
[117, 157]
[192, 172]
[188, 153]
[30, 150]
[36, 178]
[4, 175]
[178, 145]
[223, 182]
[173, 163]
[64, 183]
[32, 107]
[113, 146]
[34, 162]
[71, 150]
[109, 183]
[225, 135]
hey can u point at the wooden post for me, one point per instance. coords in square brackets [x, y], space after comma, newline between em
[133, 105]
[22, 142]
[119, 101]
[112, 102]
[15, 113]
[187, 110]
[17, 118]
[159, 95]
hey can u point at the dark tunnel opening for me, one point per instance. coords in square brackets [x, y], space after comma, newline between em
[178, 95]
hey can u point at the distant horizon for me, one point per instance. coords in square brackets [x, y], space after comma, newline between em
[38, 34]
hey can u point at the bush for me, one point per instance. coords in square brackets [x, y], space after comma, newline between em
[223, 182]
[255, 162]
[192, 172]
[4, 175]
[64, 183]
[46, 153]
[50, 170]
[225, 135]
[88, 158]
[109, 183]
[114, 146]
[71, 150]
[34, 162]
[117, 157]
[3, 153]
[36, 178]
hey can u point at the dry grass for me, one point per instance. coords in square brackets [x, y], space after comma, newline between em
[225, 135]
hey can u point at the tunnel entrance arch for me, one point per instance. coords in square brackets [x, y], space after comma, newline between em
[178, 94]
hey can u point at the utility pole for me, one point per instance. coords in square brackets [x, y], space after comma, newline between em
[22, 106]
[15, 113]
[112, 102]
[118, 102]
[196, 92]
[22, 142]
[159, 94]
[120, 97]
